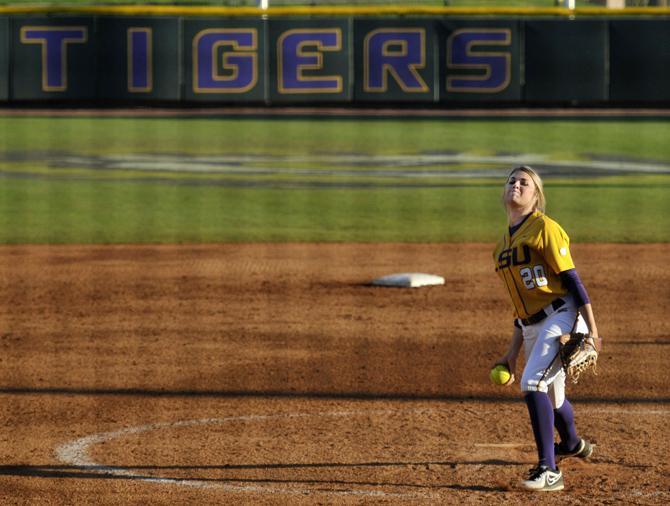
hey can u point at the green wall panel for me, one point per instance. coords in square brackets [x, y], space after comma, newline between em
[309, 60]
[4, 59]
[565, 61]
[223, 60]
[480, 60]
[640, 60]
[139, 58]
[395, 60]
[54, 58]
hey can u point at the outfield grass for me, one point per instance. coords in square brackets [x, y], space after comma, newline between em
[277, 3]
[571, 139]
[44, 200]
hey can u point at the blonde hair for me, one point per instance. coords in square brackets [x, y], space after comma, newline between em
[540, 201]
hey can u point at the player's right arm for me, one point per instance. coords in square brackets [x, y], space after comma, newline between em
[510, 358]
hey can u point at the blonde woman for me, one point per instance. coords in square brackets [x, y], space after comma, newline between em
[534, 262]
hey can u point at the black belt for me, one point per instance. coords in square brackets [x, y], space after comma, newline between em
[541, 314]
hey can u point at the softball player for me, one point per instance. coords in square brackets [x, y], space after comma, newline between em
[534, 262]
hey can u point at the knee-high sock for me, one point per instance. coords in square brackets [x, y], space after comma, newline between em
[541, 414]
[564, 421]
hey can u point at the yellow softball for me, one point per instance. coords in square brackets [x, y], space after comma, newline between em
[499, 375]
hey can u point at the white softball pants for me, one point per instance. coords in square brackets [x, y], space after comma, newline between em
[543, 371]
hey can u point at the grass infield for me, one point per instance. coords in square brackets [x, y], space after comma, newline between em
[134, 180]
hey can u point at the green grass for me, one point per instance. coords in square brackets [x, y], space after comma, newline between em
[283, 3]
[557, 138]
[44, 202]
[86, 212]
[253, 3]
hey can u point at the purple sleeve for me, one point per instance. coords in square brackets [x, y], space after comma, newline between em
[573, 283]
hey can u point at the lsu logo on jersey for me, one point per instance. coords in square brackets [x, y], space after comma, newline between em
[512, 256]
[530, 261]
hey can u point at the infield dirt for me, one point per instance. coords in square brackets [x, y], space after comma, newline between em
[275, 374]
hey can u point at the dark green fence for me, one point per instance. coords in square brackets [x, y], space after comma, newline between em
[366, 60]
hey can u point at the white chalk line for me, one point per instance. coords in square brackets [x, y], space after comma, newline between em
[629, 411]
[501, 445]
[413, 165]
[75, 453]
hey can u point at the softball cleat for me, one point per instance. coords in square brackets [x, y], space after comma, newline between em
[543, 479]
[583, 451]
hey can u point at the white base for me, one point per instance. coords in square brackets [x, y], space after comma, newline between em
[409, 280]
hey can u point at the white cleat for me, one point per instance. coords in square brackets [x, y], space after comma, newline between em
[543, 479]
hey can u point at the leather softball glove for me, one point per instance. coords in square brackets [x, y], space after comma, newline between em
[578, 354]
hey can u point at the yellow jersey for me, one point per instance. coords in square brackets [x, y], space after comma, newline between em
[529, 262]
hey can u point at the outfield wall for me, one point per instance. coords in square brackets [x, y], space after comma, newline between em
[278, 60]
